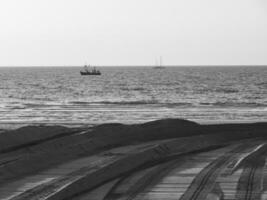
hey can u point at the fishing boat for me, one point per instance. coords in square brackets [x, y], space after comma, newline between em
[93, 71]
[159, 67]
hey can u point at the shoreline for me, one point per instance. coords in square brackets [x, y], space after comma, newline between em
[15, 125]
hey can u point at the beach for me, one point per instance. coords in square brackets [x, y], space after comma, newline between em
[57, 162]
[133, 100]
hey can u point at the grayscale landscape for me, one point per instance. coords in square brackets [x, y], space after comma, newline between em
[133, 100]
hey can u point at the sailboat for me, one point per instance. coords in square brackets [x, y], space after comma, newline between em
[160, 64]
[86, 71]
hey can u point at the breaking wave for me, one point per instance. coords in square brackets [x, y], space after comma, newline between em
[114, 102]
[235, 104]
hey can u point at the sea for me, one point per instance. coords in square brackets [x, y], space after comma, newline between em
[60, 95]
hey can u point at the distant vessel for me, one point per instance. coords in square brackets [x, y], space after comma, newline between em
[159, 67]
[160, 64]
[86, 71]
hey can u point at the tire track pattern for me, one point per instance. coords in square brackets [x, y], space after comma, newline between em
[250, 184]
[204, 182]
[157, 173]
[152, 175]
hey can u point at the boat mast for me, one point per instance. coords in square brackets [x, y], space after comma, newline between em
[86, 67]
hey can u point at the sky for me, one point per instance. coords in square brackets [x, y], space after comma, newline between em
[133, 32]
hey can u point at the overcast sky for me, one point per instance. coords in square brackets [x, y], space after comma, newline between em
[133, 32]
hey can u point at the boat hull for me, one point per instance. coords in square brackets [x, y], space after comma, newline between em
[90, 73]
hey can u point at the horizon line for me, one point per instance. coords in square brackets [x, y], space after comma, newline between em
[210, 65]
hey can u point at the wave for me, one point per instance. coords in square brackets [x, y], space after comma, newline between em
[153, 103]
[115, 102]
[132, 89]
[179, 104]
[171, 104]
[35, 105]
[235, 104]
[226, 90]
[262, 84]
[142, 102]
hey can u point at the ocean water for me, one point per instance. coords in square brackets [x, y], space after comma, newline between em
[132, 94]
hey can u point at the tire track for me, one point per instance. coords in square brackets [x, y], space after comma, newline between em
[250, 184]
[204, 182]
[149, 179]
[216, 193]
[151, 175]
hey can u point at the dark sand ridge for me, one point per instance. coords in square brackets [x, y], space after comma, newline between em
[117, 134]
[31, 149]
[30, 135]
[42, 139]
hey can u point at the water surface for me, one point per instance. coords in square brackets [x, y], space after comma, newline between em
[132, 94]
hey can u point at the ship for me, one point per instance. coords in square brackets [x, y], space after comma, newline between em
[160, 66]
[93, 71]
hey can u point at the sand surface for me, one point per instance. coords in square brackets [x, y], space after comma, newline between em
[57, 162]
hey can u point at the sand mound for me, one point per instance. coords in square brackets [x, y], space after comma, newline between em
[30, 135]
[155, 130]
